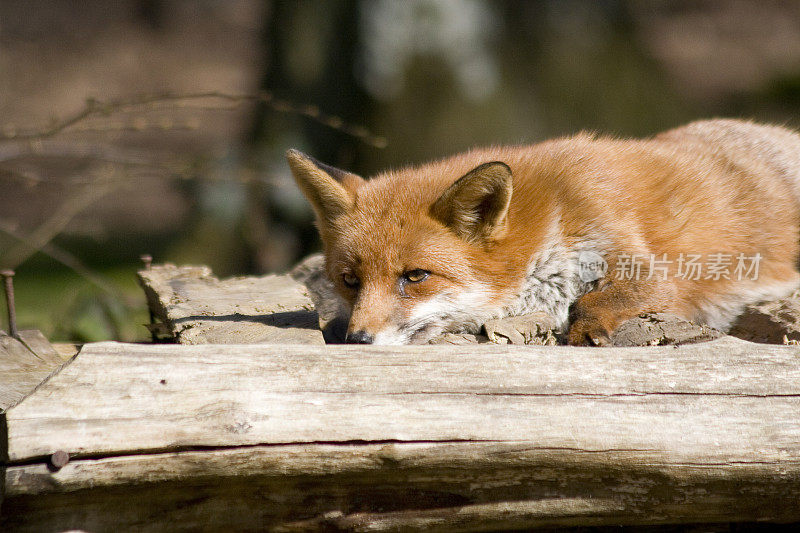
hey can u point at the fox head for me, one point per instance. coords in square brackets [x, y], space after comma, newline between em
[408, 252]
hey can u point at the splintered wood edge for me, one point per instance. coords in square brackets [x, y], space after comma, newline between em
[67, 350]
[26, 365]
[158, 292]
[200, 326]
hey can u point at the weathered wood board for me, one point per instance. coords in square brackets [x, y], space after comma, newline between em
[659, 329]
[770, 322]
[200, 309]
[25, 363]
[459, 438]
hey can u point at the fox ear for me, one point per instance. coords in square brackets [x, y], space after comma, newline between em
[475, 207]
[331, 191]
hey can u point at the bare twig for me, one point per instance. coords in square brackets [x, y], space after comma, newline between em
[96, 152]
[56, 223]
[67, 259]
[94, 108]
[16, 144]
[136, 163]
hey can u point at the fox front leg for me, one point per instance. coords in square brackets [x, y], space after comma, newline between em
[596, 315]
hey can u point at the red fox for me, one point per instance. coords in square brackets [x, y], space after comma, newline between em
[698, 221]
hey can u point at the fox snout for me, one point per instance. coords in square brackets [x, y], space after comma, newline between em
[388, 320]
[371, 316]
[359, 337]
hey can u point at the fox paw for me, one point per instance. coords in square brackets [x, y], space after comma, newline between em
[535, 328]
[588, 332]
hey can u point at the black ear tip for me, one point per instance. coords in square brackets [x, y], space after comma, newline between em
[492, 168]
[501, 164]
[292, 153]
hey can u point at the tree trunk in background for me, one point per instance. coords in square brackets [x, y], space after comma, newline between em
[311, 49]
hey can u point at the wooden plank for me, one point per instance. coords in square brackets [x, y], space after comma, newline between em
[66, 350]
[394, 486]
[770, 322]
[25, 364]
[22, 370]
[200, 309]
[408, 437]
[39, 345]
[141, 398]
[657, 329]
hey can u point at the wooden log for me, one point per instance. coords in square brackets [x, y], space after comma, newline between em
[443, 438]
[200, 309]
[661, 329]
[535, 328]
[25, 363]
[771, 322]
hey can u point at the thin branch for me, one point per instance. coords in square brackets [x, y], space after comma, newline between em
[95, 108]
[68, 260]
[56, 223]
[136, 163]
[104, 153]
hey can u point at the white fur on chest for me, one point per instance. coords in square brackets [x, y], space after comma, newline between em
[556, 278]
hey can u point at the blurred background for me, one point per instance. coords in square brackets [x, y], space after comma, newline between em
[132, 127]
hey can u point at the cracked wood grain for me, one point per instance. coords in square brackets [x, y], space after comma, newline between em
[198, 308]
[243, 437]
[25, 363]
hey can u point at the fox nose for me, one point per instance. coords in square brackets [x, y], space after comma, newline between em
[359, 337]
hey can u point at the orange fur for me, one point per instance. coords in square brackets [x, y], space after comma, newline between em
[714, 186]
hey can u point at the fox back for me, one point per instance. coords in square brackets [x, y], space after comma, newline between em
[591, 230]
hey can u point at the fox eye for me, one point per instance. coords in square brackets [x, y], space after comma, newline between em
[351, 280]
[416, 275]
